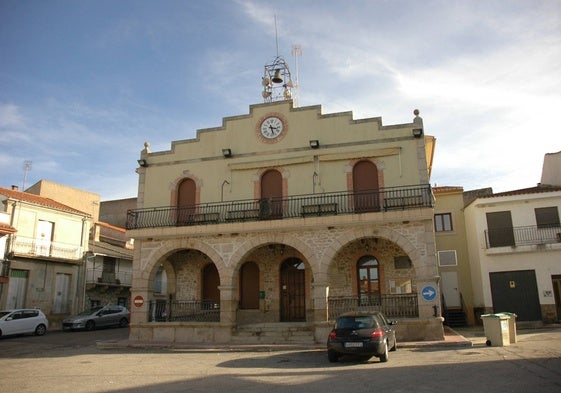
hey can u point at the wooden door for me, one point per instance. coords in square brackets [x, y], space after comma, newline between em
[556, 280]
[271, 195]
[211, 282]
[293, 291]
[186, 200]
[365, 187]
[249, 286]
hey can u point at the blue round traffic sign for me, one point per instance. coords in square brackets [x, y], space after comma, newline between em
[428, 292]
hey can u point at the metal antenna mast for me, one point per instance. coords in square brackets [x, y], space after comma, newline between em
[296, 51]
[26, 168]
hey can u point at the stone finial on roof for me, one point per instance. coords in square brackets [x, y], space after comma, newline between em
[418, 119]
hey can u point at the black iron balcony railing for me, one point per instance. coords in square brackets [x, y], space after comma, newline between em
[523, 236]
[183, 311]
[394, 306]
[326, 204]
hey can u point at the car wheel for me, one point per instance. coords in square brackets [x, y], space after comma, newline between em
[90, 325]
[394, 348]
[40, 330]
[384, 357]
[123, 322]
[332, 356]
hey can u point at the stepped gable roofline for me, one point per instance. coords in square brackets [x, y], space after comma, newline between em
[40, 201]
[317, 108]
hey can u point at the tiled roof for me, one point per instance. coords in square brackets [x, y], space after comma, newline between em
[523, 191]
[110, 250]
[109, 226]
[6, 229]
[39, 200]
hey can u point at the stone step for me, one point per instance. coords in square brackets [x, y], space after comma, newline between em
[274, 333]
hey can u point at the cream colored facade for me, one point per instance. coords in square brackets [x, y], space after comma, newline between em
[45, 255]
[317, 232]
[452, 252]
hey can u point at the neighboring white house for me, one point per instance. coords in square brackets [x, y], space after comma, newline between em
[514, 243]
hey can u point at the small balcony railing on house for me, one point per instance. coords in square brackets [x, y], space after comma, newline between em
[183, 311]
[394, 306]
[523, 236]
[325, 204]
[98, 276]
[33, 247]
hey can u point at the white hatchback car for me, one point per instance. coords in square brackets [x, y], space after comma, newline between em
[23, 320]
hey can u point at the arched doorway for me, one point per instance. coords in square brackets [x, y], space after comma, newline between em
[186, 200]
[270, 205]
[365, 187]
[249, 286]
[211, 282]
[293, 290]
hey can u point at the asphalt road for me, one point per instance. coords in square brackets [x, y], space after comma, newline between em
[72, 362]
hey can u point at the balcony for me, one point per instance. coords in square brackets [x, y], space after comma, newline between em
[300, 206]
[522, 236]
[33, 247]
[98, 276]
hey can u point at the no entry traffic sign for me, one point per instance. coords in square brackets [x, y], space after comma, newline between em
[138, 301]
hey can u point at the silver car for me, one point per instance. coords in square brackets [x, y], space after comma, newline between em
[23, 320]
[98, 317]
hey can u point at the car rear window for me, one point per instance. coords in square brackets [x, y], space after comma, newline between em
[362, 322]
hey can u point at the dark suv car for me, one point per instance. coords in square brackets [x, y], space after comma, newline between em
[363, 334]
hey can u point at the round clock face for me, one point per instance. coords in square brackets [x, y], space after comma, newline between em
[271, 127]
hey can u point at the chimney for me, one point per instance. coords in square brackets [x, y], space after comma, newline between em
[15, 188]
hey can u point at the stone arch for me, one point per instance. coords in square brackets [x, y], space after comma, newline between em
[356, 234]
[169, 247]
[268, 238]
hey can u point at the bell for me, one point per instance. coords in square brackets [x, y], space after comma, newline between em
[277, 78]
[265, 82]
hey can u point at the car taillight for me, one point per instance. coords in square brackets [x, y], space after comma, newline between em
[333, 334]
[377, 333]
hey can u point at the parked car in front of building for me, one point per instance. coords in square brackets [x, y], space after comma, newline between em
[362, 334]
[22, 321]
[98, 317]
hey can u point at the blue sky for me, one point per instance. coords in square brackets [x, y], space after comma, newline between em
[83, 84]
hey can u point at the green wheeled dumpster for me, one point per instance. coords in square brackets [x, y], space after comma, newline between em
[500, 328]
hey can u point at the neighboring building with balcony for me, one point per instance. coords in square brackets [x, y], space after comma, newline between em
[514, 241]
[266, 228]
[108, 266]
[44, 256]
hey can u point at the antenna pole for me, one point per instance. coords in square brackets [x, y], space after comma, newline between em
[276, 36]
[26, 168]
